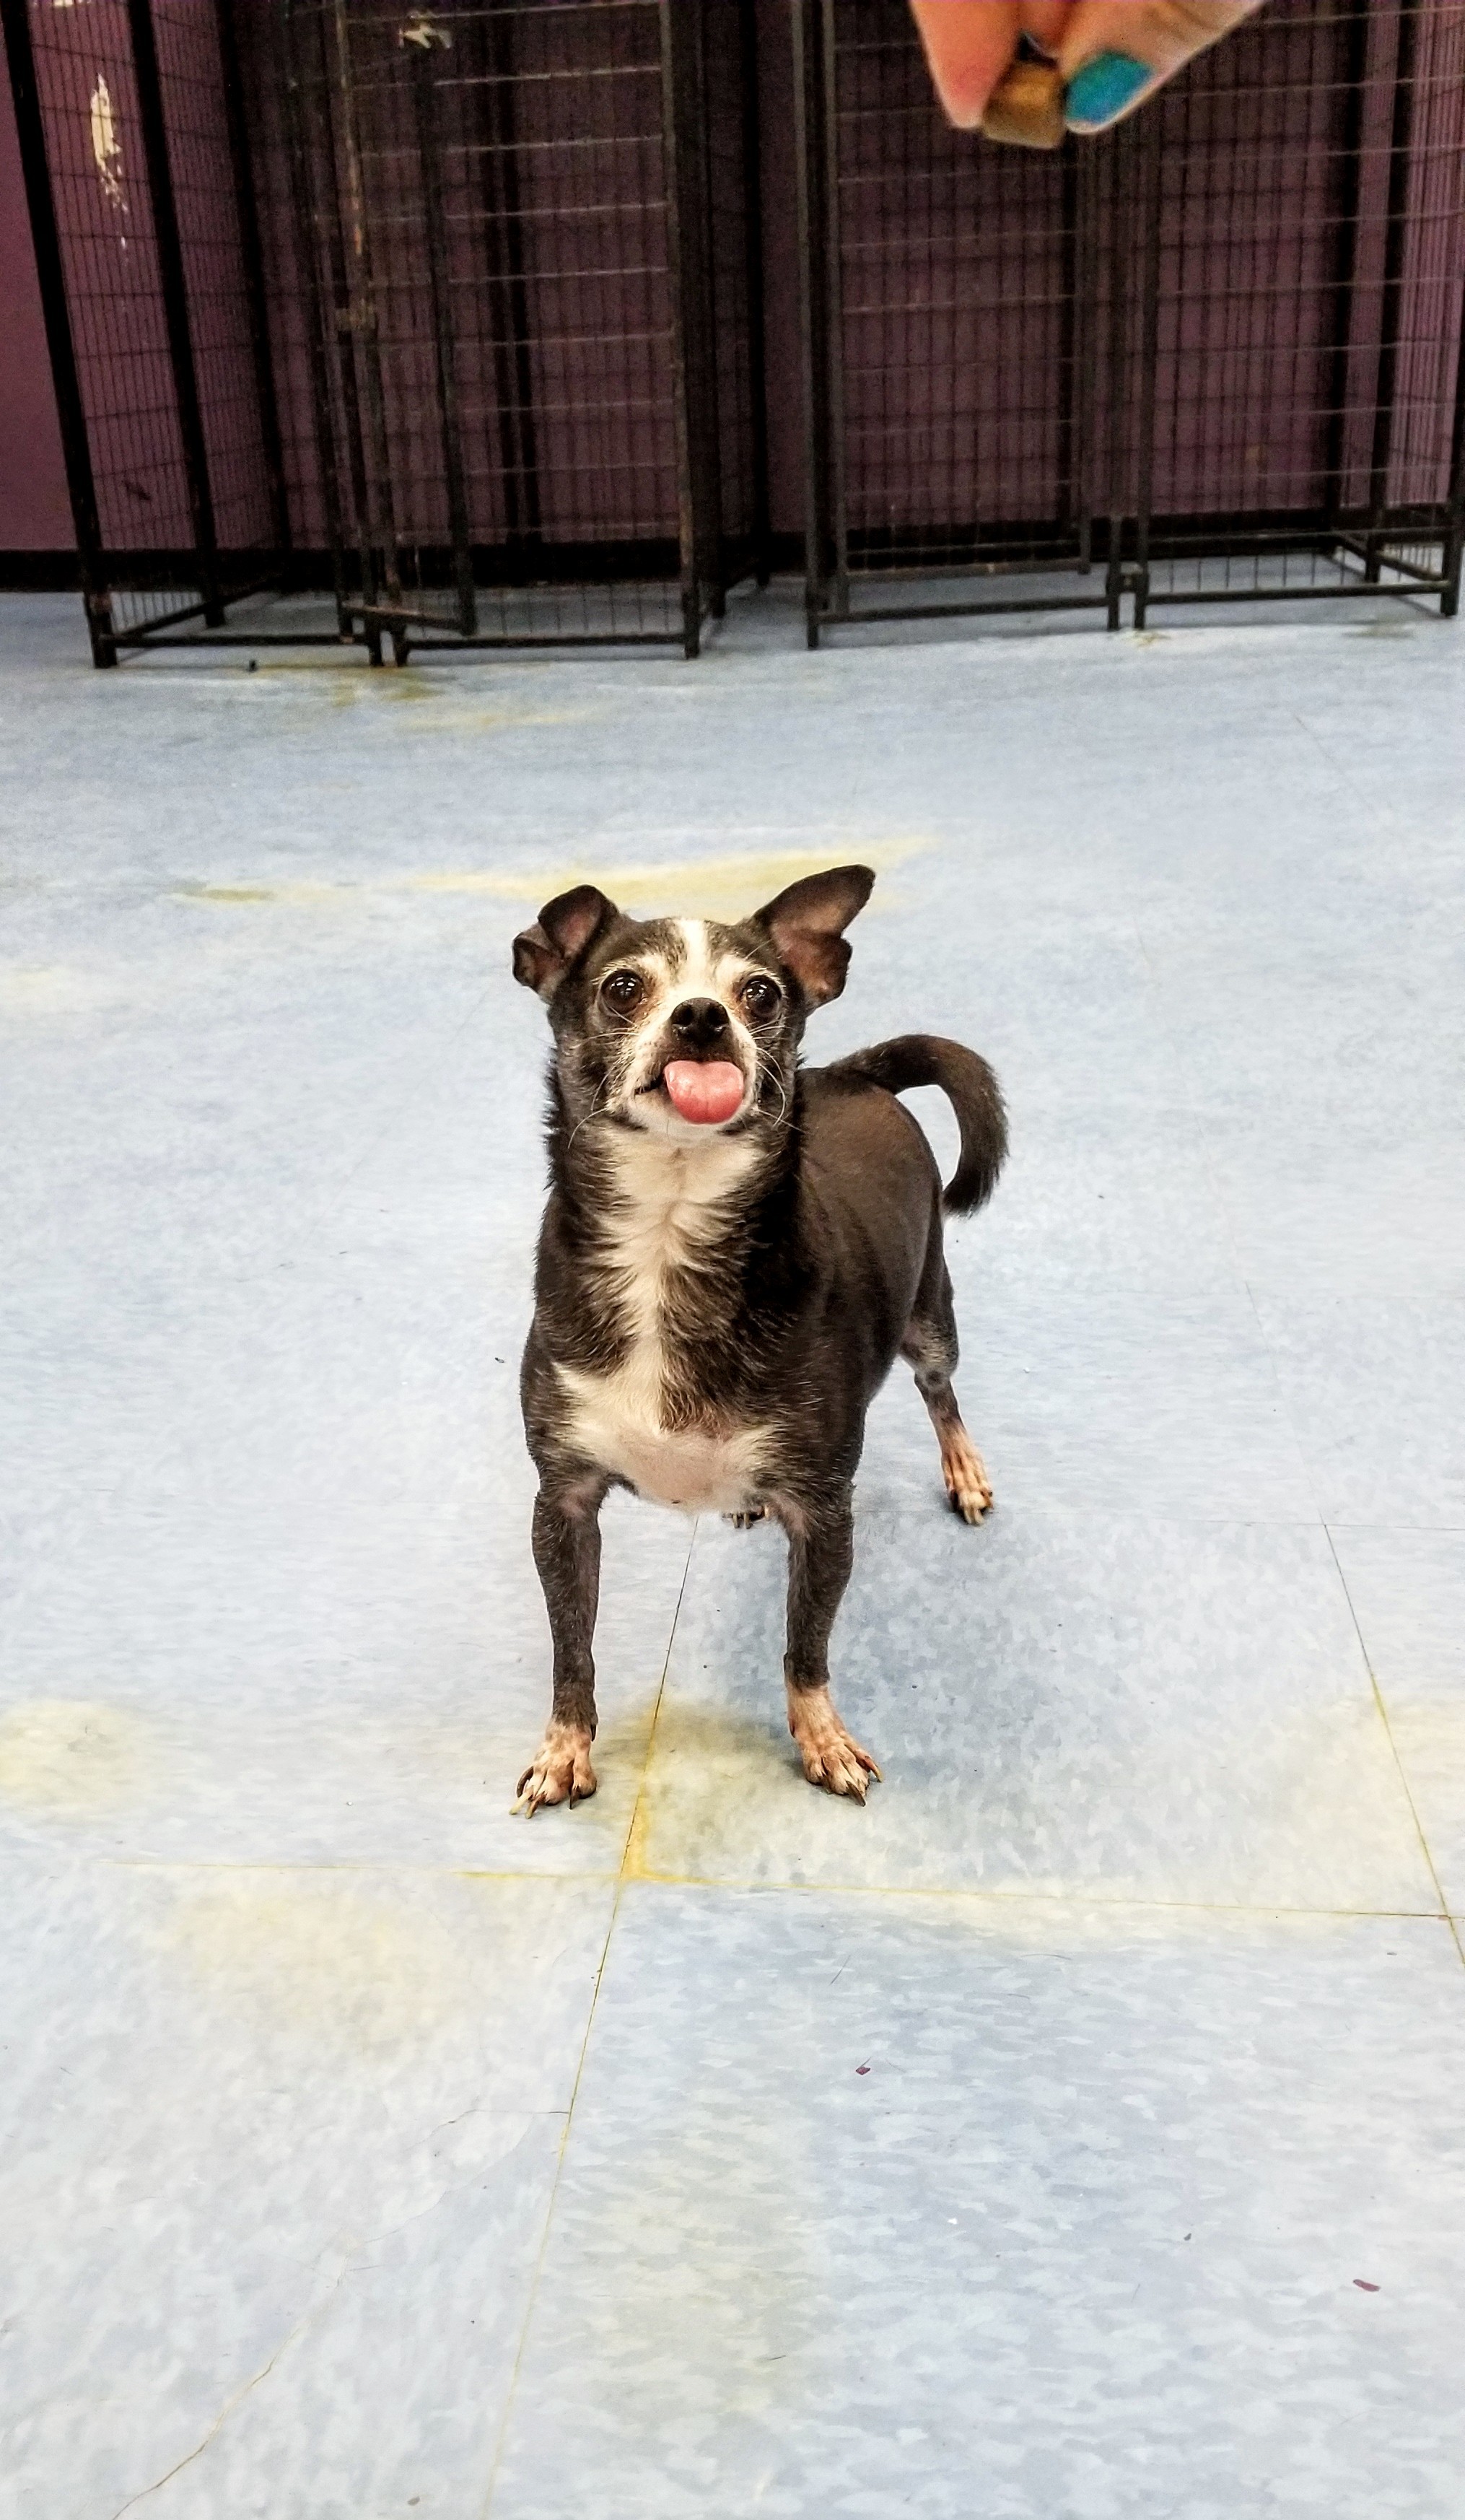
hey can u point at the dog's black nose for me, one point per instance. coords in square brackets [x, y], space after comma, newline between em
[699, 1022]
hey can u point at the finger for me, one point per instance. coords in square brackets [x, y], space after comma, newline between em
[1044, 20]
[968, 44]
[1115, 53]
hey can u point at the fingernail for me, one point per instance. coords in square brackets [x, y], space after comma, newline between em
[1102, 88]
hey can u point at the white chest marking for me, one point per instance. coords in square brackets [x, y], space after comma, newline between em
[668, 1209]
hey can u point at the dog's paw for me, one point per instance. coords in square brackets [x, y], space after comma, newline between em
[967, 1484]
[831, 1756]
[745, 1522]
[560, 1771]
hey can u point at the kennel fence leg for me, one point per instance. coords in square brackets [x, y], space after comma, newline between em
[509, 294]
[307, 239]
[1395, 242]
[173, 282]
[430, 159]
[251, 260]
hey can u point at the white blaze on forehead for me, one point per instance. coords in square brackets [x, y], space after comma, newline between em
[705, 971]
[695, 978]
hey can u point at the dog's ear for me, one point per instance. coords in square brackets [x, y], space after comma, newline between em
[806, 926]
[565, 926]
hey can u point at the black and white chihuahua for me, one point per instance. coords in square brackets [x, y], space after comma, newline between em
[733, 1253]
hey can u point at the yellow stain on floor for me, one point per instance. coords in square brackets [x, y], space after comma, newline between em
[318, 1955]
[55, 989]
[430, 707]
[68, 1758]
[724, 887]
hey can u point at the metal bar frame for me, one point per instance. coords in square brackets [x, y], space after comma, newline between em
[752, 189]
[1149, 147]
[247, 213]
[831, 562]
[1346, 252]
[693, 356]
[809, 167]
[430, 159]
[173, 282]
[377, 521]
[317, 336]
[509, 297]
[1396, 242]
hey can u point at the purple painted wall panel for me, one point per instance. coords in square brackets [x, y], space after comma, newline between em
[35, 514]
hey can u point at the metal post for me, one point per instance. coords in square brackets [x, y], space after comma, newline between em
[813, 309]
[1395, 239]
[378, 521]
[431, 165]
[707, 480]
[302, 205]
[1345, 253]
[698, 487]
[320, 160]
[508, 291]
[1149, 354]
[173, 281]
[1115, 150]
[1069, 332]
[1086, 348]
[15, 15]
[247, 210]
[834, 327]
[752, 193]
[1454, 540]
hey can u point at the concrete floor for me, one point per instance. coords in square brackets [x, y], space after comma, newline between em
[1074, 2134]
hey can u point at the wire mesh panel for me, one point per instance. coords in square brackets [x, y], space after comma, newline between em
[1212, 355]
[535, 314]
[1309, 198]
[454, 309]
[967, 347]
[132, 180]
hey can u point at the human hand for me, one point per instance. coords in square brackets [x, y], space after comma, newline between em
[1109, 54]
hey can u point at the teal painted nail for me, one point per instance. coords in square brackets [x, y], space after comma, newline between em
[1102, 88]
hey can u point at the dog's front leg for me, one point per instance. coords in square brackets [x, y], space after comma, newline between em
[820, 1554]
[567, 1555]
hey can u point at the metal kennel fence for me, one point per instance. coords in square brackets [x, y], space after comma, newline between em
[455, 310]
[1212, 357]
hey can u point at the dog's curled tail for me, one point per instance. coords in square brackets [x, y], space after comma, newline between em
[969, 1086]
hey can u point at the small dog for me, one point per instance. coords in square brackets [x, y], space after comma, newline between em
[733, 1253]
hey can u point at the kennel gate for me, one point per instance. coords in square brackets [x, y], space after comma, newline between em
[455, 311]
[1213, 356]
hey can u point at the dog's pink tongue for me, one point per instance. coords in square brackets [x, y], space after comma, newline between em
[707, 1090]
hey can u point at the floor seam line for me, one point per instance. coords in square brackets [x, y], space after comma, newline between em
[1383, 1713]
[621, 1877]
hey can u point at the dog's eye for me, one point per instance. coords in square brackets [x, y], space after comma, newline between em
[623, 991]
[762, 998]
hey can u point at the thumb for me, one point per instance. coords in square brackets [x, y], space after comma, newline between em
[1115, 53]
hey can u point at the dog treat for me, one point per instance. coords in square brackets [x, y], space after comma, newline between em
[1026, 108]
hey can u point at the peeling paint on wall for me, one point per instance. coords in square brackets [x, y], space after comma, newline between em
[105, 147]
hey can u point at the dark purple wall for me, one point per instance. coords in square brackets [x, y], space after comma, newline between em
[34, 511]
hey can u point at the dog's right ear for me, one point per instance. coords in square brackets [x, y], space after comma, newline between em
[806, 926]
[566, 926]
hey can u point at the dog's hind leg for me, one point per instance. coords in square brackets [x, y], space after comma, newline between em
[567, 1555]
[820, 1554]
[930, 1348]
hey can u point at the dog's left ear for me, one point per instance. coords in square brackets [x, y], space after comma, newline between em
[565, 926]
[805, 926]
